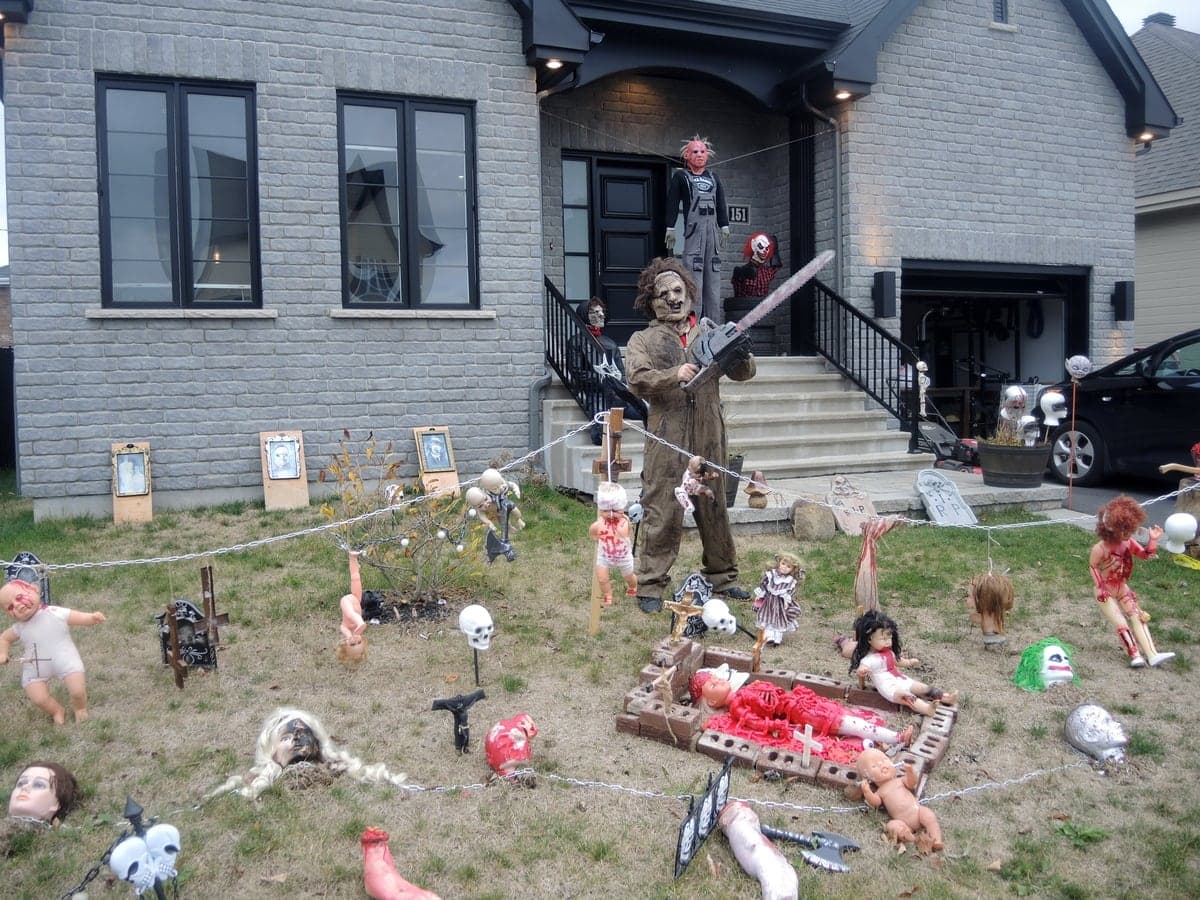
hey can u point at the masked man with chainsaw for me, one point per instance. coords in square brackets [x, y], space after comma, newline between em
[659, 362]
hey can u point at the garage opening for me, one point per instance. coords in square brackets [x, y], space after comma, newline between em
[981, 327]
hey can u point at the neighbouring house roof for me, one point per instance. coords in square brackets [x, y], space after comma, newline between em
[1173, 55]
[779, 51]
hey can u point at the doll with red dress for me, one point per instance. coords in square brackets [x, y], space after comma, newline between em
[1112, 564]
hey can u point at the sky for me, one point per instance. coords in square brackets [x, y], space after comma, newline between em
[1130, 12]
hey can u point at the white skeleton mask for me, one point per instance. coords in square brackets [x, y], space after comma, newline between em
[716, 615]
[476, 623]
[130, 861]
[163, 843]
[1056, 665]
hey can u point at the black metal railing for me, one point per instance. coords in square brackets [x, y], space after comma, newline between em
[571, 351]
[875, 360]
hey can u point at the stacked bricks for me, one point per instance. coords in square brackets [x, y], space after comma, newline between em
[646, 713]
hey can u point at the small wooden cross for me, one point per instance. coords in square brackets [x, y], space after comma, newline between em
[683, 609]
[662, 687]
[178, 666]
[756, 650]
[35, 659]
[807, 742]
[611, 464]
[211, 620]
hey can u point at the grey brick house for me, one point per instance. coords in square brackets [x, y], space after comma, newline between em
[1168, 189]
[228, 217]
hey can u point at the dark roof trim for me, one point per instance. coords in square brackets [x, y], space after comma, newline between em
[1146, 106]
[711, 20]
[16, 10]
[856, 62]
[549, 30]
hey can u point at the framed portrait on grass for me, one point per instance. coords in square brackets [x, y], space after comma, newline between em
[434, 452]
[283, 457]
[131, 471]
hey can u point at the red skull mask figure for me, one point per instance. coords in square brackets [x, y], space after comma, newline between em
[759, 247]
[508, 743]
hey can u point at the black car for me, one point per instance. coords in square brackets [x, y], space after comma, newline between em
[1133, 415]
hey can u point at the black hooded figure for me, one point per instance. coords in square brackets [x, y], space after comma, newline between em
[597, 369]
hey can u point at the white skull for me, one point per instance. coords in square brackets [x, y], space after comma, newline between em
[163, 843]
[130, 861]
[716, 615]
[1029, 429]
[476, 623]
[1054, 406]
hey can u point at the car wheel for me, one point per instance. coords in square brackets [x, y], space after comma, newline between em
[1084, 448]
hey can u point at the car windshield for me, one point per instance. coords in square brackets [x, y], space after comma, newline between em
[1183, 360]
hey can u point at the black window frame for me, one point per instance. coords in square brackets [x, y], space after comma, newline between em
[177, 91]
[1000, 11]
[407, 107]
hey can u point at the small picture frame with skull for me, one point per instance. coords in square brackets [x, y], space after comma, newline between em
[434, 452]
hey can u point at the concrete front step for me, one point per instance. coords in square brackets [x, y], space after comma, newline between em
[793, 419]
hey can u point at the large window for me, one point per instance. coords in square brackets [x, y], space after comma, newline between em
[408, 202]
[178, 202]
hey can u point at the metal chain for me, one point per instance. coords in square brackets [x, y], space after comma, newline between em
[783, 497]
[600, 419]
[304, 532]
[95, 870]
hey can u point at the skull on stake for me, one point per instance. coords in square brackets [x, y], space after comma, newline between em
[476, 623]
[163, 843]
[130, 861]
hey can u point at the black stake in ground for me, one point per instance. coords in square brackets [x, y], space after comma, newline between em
[476, 651]
[133, 812]
[459, 706]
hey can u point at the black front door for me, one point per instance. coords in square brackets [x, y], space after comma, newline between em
[627, 225]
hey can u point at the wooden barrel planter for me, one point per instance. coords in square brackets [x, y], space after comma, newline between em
[1005, 466]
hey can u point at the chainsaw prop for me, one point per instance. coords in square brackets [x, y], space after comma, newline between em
[720, 344]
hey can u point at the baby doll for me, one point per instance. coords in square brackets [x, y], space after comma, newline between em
[883, 786]
[775, 606]
[693, 483]
[352, 648]
[50, 651]
[989, 597]
[610, 531]
[1112, 564]
[877, 656]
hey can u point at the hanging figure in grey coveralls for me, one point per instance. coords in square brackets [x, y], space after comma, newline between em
[705, 222]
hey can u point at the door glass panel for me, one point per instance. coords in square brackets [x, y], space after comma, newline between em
[626, 198]
[575, 182]
[575, 231]
[578, 280]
